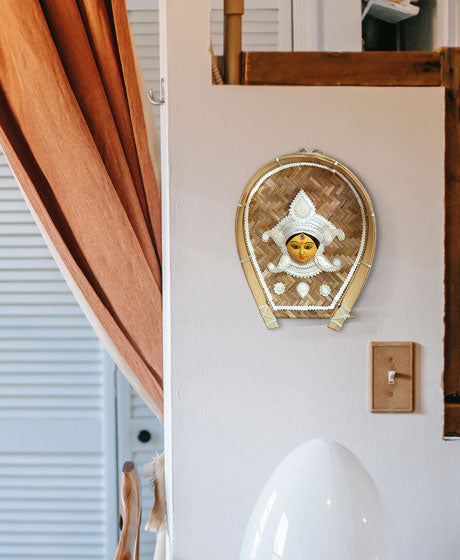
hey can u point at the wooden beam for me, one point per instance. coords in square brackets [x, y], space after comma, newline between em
[451, 82]
[452, 420]
[233, 33]
[342, 69]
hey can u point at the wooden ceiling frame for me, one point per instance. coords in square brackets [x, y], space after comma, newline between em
[377, 69]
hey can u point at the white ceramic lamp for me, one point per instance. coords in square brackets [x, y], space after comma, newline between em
[319, 504]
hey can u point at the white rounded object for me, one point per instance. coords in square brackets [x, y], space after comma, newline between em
[325, 290]
[279, 288]
[302, 289]
[319, 504]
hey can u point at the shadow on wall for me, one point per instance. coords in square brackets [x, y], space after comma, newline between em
[413, 34]
[419, 32]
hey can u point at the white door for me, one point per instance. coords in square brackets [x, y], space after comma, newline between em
[58, 460]
[57, 451]
[58, 427]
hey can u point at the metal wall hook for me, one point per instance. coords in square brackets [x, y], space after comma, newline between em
[151, 95]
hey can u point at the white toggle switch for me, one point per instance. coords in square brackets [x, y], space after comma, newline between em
[391, 377]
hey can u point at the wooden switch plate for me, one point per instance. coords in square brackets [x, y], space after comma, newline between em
[386, 357]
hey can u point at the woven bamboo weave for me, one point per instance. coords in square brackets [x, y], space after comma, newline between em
[335, 200]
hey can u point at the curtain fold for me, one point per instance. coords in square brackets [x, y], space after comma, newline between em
[73, 130]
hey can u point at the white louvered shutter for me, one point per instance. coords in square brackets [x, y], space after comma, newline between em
[55, 488]
[266, 25]
[143, 16]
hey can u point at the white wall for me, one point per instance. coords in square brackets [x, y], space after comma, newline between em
[241, 397]
[326, 25]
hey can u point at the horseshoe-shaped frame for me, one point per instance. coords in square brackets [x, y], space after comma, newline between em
[342, 309]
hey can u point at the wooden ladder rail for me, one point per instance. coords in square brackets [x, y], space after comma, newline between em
[233, 45]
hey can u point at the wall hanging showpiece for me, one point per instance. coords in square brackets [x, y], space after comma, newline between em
[305, 231]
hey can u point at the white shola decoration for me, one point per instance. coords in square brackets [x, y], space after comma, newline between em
[305, 221]
[325, 290]
[302, 289]
[279, 288]
[303, 218]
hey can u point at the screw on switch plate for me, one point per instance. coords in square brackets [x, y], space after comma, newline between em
[391, 363]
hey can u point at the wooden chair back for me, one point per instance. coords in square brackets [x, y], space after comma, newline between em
[130, 514]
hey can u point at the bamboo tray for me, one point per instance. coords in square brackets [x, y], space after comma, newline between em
[339, 204]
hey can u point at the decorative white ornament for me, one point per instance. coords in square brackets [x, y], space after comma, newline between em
[279, 288]
[302, 289]
[325, 290]
[250, 247]
[303, 209]
[303, 218]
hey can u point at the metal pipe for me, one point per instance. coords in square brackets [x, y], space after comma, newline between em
[233, 30]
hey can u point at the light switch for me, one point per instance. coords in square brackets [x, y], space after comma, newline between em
[391, 380]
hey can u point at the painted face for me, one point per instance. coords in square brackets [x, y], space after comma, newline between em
[301, 248]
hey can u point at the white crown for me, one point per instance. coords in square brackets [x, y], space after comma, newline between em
[303, 218]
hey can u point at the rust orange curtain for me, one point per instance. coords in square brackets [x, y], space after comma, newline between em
[73, 129]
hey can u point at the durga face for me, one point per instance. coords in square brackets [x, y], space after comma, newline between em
[301, 237]
[302, 247]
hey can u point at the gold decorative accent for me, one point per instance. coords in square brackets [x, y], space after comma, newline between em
[267, 316]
